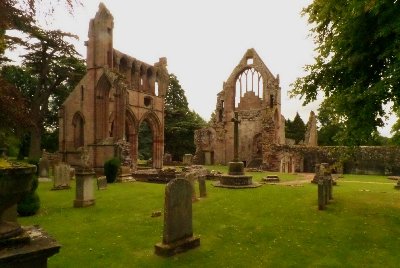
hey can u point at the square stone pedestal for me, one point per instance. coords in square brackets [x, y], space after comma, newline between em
[171, 249]
[84, 189]
[32, 254]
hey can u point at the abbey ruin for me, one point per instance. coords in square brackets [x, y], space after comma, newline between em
[254, 92]
[117, 94]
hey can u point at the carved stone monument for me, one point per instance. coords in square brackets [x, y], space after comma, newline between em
[325, 182]
[236, 177]
[84, 182]
[178, 231]
[125, 171]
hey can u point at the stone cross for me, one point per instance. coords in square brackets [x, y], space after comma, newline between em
[236, 123]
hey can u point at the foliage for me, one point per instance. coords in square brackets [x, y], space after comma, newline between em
[145, 141]
[180, 122]
[30, 204]
[357, 63]
[20, 15]
[111, 168]
[288, 221]
[50, 70]
[295, 129]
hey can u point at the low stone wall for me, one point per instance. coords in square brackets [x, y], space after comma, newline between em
[355, 160]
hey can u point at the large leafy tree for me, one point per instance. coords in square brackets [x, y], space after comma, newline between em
[295, 129]
[357, 67]
[50, 69]
[180, 121]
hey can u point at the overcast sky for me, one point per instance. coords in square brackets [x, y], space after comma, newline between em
[204, 41]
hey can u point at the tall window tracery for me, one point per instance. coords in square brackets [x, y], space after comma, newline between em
[250, 80]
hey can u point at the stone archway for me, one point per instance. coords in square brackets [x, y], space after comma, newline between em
[158, 138]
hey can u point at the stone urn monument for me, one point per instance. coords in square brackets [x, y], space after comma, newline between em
[27, 246]
[15, 181]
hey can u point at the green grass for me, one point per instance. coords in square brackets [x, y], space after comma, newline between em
[270, 226]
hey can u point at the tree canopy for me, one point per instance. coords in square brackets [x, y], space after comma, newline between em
[295, 129]
[180, 121]
[357, 67]
[50, 69]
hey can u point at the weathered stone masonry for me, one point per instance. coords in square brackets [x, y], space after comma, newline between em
[115, 96]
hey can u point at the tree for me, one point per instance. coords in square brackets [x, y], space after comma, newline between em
[295, 129]
[180, 122]
[50, 70]
[357, 66]
[20, 15]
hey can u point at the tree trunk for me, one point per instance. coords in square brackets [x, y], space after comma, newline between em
[34, 148]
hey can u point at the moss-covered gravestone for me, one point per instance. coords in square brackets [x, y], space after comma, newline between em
[178, 231]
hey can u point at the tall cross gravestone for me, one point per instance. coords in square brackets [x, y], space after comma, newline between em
[178, 230]
[236, 177]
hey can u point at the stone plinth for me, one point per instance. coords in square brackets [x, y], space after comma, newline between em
[236, 179]
[84, 189]
[32, 254]
[125, 174]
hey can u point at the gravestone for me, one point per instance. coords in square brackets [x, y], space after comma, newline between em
[101, 183]
[202, 186]
[62, 177]
[167, 159]
[178, 231]
[324, 180]
[187, 159]
[44, 167]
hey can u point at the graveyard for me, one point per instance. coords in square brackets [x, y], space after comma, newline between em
[103, 162]
[270, 226]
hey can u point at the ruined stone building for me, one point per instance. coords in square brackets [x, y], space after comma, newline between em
[117, 94]
[254, 92]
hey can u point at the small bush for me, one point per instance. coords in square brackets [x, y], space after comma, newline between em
[111, 168]
[30, 204]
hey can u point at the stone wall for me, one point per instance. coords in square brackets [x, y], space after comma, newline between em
[356, 160]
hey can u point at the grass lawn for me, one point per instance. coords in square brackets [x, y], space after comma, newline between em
[270, 226]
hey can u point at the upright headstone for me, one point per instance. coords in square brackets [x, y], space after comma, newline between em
[44, 166]
[202, 186]
[61, 177]
[187, 159]
[178, 231]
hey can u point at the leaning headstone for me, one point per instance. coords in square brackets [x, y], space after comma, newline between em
[202, 186]
[61, 177]
[101, 183]
[178, 231]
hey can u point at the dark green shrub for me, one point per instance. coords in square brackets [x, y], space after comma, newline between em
[30, 204]
[111, 168]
